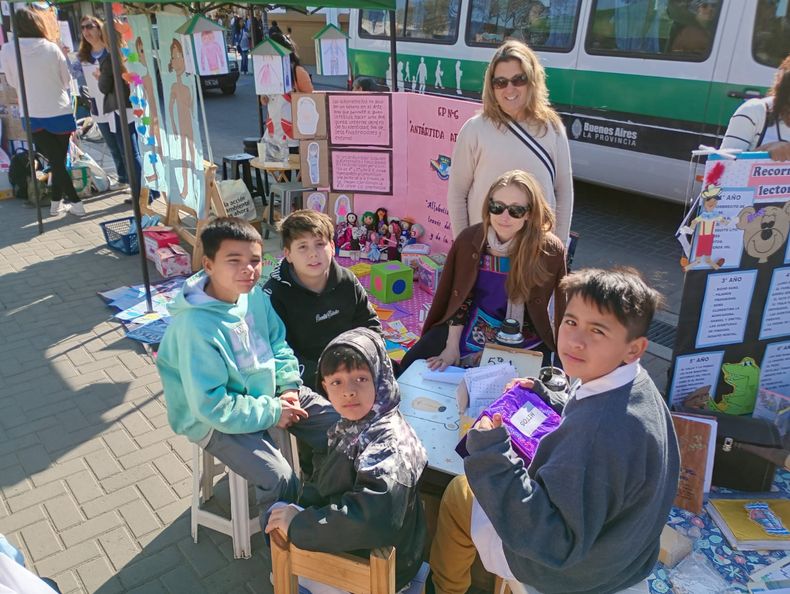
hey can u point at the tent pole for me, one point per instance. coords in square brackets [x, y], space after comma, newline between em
[393, 50]
[25, 114]
[253, 42]
[134, 180]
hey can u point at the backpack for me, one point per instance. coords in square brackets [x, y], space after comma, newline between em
[19, 173]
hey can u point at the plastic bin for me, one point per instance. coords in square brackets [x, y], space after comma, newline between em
[121, 235]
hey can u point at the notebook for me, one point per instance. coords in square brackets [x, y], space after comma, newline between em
[697, 442]
[753, 524]
[486, 384]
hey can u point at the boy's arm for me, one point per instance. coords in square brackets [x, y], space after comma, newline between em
[286, 366]
[203, 375]
[364, 314]
[554, 509]
[370, 516]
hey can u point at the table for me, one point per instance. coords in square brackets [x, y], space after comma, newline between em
[278, 173]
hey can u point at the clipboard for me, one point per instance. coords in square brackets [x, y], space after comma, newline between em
[527, 363]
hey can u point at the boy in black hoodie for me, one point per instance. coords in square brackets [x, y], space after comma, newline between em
[316, 298]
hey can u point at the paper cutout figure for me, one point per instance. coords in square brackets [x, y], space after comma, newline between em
[316, 201]
[333, 57]
[744, 377]
[458, 74]
[422, 75]
[765, 230]
[388, 75]
[312, 162]
[210, 48]
[153, 138]
[307, 116]
[342, 208]
[400, 77]
[181, 102]
[439, 72]
[706, 221]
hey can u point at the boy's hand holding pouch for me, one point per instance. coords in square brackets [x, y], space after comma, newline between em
[524, 413]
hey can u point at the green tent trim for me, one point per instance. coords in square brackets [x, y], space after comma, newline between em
[337, 32]
[198, 24]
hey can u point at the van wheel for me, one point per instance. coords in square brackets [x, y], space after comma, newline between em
[229, 90]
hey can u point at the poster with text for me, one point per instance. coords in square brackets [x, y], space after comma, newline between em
[733, 335]
[180, 102]
[144, 96]
[360, 119]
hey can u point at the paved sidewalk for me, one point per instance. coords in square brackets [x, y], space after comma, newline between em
[94, 486]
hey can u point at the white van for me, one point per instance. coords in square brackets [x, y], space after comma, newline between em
[639, 83]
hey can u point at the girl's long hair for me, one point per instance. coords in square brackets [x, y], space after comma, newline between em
[29, 23]
[538, 109]
[781, 91]
[527, 269]
[84, 52]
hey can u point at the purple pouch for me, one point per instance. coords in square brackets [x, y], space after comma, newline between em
[526, 418]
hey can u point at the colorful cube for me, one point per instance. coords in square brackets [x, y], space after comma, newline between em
[428, 273]
[391, 281]
[173, 261]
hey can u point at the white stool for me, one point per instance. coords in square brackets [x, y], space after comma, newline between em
[240, 526]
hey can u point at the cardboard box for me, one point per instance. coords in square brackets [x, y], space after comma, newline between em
[391, 281]
[158, 239]
[428, 273]
[173, 260]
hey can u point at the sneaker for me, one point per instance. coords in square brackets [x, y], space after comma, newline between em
[77, 209]
[57, 208]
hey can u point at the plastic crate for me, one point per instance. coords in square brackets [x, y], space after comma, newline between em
[121, 235]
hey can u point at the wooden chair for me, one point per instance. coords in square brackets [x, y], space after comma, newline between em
[375, 575]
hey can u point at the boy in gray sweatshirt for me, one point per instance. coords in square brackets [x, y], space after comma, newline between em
[587, 514]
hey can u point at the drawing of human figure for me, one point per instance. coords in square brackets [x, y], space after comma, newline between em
[182, 102]
[422, 75]
[458, 74]
[706, 221]
[152, 105]
[267, 77]
[400, 76]
[414, 83]
[439, 72]
[335, 49]
[388, 75]
[407, 76]
[212, 54]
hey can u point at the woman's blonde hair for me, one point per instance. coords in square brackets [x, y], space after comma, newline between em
[84, 52]
[527, 269]
[538, 109]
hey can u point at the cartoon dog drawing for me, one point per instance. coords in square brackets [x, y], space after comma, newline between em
[765, 230]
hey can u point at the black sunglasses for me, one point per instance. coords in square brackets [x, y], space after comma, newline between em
[89, 26]
[495, 207]
[500, 82]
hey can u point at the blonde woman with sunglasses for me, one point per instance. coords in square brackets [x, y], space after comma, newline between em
[517, 129]
[507, 266]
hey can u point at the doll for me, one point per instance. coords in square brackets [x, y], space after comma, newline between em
[416, 232]
[381, 215]
[374, 253]
[369, 220]
[352, 239]
[393, 240]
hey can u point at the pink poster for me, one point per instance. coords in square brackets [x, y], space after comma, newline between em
[366, 171]
[360, 119]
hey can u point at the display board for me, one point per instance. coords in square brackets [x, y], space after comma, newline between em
[733, 335]
[180, 100]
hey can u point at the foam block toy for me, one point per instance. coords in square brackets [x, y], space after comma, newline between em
[391, 281]
[428, 273]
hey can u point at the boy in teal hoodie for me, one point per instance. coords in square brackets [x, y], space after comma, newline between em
[228, 374]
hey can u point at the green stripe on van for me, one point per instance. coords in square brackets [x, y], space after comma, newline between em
[659, 97]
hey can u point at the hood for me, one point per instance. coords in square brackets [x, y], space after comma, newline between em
[193, 296]
[283, 274]
[371, 346]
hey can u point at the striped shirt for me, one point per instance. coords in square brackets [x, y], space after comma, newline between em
[747, 124]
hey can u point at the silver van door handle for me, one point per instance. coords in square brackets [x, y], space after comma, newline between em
[745, 94]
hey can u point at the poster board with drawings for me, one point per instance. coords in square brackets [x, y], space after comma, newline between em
[526, 362]
[733, 335]
[314, 166]
[272, 74]
[317, 200]
[211, 58]
[340, 204]
[309, 115]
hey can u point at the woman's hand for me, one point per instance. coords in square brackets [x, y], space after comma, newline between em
[280, 520]
[451, 355]
[264, 100]
[779, 150]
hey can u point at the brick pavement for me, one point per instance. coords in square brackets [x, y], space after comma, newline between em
[94, 487]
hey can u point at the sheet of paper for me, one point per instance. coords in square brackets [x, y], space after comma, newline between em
[486, 384]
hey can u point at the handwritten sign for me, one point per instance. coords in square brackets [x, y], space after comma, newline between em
[362, 172]
[725, 308]
[360, 119]
[695, 372]
[776, 321]
[775, 371]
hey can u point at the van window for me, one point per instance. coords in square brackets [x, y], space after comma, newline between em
[660, 29]
[431, 21]
[771, 40]
[542, 24]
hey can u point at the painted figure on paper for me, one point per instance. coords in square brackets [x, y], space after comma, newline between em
[152, 105]
[706, 221]
[422, 75]
[181, 101]
[744, 377]
[212, 54]
[439, 72]
[765, 230]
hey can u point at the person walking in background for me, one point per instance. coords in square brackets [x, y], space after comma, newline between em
[517, 129]
[49, 104]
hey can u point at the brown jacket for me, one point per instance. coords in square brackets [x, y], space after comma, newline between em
[460, 273]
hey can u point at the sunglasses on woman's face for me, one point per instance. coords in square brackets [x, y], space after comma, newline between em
[84, 26]
[500, 82]
[517, 211]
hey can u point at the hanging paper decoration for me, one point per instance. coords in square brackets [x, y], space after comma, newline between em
[206, 42]
[271, 64]
[331, 51]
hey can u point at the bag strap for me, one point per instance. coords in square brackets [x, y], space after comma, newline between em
[540, 152]
[766, 125]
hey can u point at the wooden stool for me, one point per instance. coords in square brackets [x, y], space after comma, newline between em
[240, 526]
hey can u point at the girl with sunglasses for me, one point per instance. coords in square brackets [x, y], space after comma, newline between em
[517, 129]
[507, 266]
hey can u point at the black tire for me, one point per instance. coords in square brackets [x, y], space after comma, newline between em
[229, 90]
